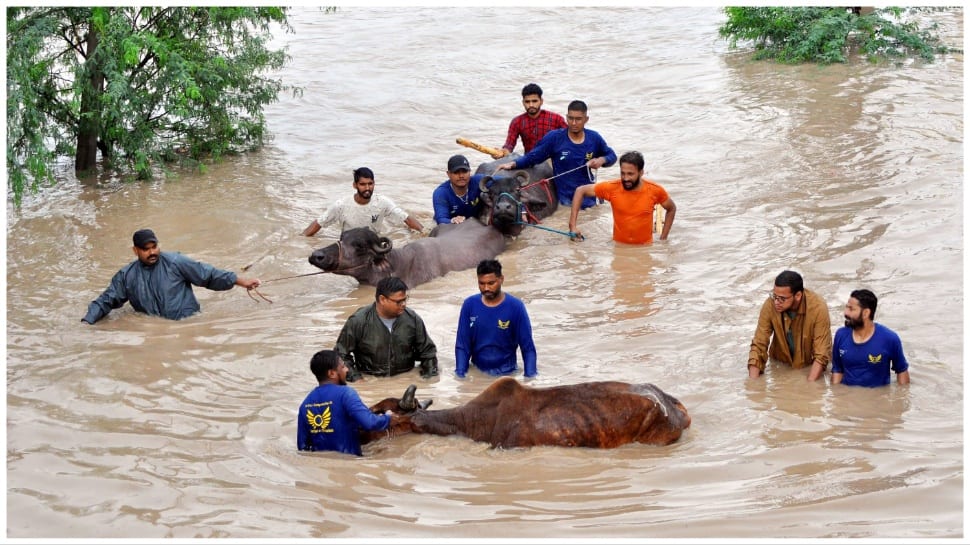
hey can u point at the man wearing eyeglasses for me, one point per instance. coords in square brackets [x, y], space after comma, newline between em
[576, 153]
[386, 338]
[793, 328]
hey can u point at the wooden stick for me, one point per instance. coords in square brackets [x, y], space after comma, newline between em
[495, 153]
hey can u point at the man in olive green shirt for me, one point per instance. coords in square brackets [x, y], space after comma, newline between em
[386, 338]
[796, 322]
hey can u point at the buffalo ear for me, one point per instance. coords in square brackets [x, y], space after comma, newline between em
[425, 404]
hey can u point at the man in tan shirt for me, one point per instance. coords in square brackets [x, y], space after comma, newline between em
[796, 322]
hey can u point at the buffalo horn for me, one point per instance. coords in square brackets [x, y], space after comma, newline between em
[523, 178]
[382, 246]
[483, 183]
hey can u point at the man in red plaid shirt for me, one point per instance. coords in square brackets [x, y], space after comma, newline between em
[534, 123]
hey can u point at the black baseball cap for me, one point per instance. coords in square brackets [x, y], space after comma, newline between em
[143, 237]
[458, 162]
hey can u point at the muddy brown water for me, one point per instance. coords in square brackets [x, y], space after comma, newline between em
[852, 175]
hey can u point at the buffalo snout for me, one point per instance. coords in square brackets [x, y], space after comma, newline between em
[325, 258]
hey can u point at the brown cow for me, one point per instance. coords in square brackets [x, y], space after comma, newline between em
[508, 414]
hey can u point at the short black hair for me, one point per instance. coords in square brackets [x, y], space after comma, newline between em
[866, 299]
[363, 172]
[391, 284]
[322, 362]
[790, 279]
[634, 158]
[489, 266]
[531, 89]
[577, 106]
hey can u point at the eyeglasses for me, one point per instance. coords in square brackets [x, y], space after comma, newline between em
[398, 302]
[779, 298]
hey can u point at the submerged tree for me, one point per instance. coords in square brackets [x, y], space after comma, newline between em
[141, 85]
[823, 34]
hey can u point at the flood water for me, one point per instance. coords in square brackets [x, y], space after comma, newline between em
[851, 175]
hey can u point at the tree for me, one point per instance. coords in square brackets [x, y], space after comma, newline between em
[822, 34]
[144, 86]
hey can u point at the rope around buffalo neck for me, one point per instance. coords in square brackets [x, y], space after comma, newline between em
[521, 206]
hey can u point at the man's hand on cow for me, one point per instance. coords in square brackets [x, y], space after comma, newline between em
[457, 219]
[506, 166]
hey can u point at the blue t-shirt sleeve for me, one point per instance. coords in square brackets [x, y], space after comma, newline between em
[462, 341]
[607, 152]
[526, 343]
[899, 359]
[362, 415]
[541, 152]
[439, 199]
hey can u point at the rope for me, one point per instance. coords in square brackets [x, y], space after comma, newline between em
[261, 282]
[590, 174]
[522, 206]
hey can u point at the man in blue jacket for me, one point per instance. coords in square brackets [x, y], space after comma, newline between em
[332, 415]
[459, 197]
[576, 152]
[160, 283]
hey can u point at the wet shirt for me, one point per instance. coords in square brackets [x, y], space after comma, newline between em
[633, 209]
[568, 157]
[331, 417]
[532, 130]
[348, 214]
[163, 289]
[868, 363]
[448, 205]
[811, 332]
[489, 336]
[366, 345]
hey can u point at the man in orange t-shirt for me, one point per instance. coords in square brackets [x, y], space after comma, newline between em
[632, 199]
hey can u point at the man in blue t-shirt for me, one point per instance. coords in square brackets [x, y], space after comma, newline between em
[458, 198]
[331, 416]
[863, 351]
[576, 152]
[491, 326]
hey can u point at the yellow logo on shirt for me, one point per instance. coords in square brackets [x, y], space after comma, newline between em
[875, 360]
[503, 325]
[318, 422]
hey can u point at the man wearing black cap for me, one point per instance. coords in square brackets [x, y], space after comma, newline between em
[160, 283]
[458, 197]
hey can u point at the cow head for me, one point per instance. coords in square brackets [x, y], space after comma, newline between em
[503, 207]
[404, 407]
[510, 201]
[359, 253]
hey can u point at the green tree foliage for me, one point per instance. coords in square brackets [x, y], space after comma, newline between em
[822, 34]
[143, 86]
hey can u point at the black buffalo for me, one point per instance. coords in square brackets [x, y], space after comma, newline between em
[512, 197]
[368, 257]
[508, 414]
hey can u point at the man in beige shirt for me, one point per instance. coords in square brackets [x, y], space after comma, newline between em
[793, 328]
